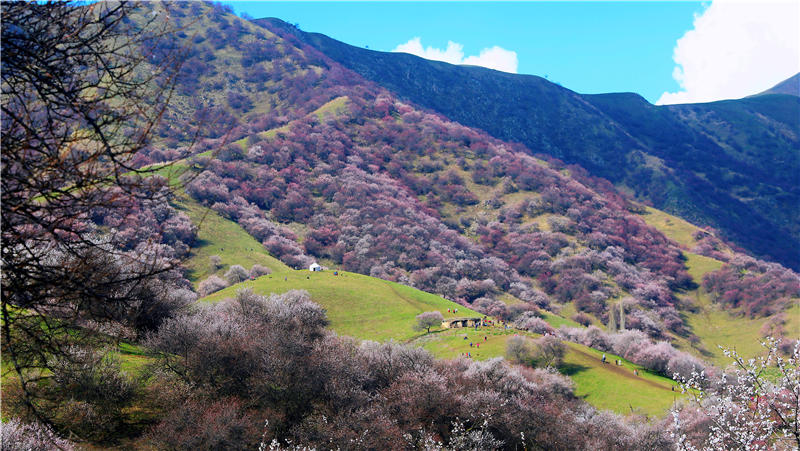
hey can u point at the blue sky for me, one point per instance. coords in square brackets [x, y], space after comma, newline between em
[589, 47]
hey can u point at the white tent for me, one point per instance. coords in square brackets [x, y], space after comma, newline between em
[315, 267]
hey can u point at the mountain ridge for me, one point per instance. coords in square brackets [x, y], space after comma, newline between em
[790, 86]
[589, 130]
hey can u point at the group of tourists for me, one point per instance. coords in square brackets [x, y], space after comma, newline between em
[618, 362]
[477, 345]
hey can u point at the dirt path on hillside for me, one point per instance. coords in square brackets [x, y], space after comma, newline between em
[418, 304]
[620, 370]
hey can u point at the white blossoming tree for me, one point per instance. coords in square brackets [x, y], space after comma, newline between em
[754, 407]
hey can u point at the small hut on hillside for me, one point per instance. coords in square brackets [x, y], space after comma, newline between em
[314, 267]
[451, 323]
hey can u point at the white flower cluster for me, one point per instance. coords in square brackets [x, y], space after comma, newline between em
[756, 407]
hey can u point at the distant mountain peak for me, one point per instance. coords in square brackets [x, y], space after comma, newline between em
[790, 86]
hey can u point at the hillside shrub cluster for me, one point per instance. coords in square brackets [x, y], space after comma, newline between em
[709, 245]
[545, 352]
[135, 220]
[211, 284]
[259, 369]
[756, 287]
[267, 365]
[755, 407]
[87, 397]
[371, 226]
[532, 323]
[31, 437]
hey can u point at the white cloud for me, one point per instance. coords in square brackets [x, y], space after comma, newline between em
[736, 49]
[495, 57]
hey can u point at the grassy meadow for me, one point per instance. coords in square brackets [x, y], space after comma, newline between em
[358, 306]
[219, 236]
[673, 227]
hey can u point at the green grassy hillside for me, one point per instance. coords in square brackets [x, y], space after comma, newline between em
[682, 232]
[330, 109]
[617, 388]
[673, 227]
[219, 236]
[358, 306]
[718, 327]
[368, 308]
[215, 235]
[700, 265]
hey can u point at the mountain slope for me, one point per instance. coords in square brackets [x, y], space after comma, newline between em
[373, 309]
[790, 86]
[713, 325]
[731, 165]
[524, 108]
[358, 306]
[318, 163]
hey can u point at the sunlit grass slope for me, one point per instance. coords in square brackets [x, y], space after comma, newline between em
[558, 320]
[719, 327]
[673, 227]
[332, 108]
[714, 326]
[215, 235]
[358, 306]
[374, 309]
[219, 236]
[617, 388]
